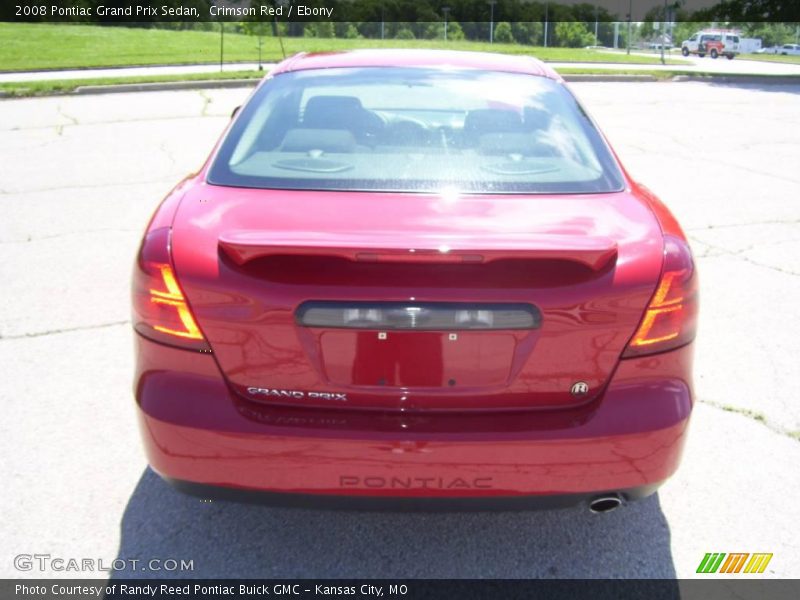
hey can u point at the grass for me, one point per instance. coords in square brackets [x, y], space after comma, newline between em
[660, 74]
[752, 414]
[64, 86]
[779, 58]
[31, 46]
[757, 416]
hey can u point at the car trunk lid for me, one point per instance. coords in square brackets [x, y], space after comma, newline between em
[416, 301]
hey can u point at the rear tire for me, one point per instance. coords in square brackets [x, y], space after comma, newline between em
[685, 51]
[714, 53]
[729, 56]
[701, 55]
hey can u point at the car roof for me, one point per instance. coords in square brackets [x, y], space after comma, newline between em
[484, 61]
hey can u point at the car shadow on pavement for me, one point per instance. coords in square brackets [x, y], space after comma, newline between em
[226, 539]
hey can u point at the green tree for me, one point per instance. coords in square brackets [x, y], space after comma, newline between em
[738, 11]
[433, 30]
[347, 30]
[771, 34]
[404, 33]
[502, 33]
[325, 29]
[573, 34]
[527, 32]
[257, 28]
[352, 32]
[683, 31]
[454, 31]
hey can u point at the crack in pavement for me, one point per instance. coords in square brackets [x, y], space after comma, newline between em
[753, 223]
[56, 132]
[749, 260]
[171, 178]
[65, 330]
[752, 415]
[207, 100]
[721, 251]
[750, 224]
[31, 239]
[766, 266]
[60, 126]
[741, 250]
[116, 121]
[70, 118]
[163, 148]
[685, 154]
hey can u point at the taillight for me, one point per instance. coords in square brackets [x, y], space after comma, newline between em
[160, 310]
[670, 320]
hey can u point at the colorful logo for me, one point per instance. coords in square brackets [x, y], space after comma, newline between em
[736, 562]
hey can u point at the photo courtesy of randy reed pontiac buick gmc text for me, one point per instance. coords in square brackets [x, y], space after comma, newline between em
[151, 590]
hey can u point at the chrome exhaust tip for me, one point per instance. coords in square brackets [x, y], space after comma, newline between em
[605, 503]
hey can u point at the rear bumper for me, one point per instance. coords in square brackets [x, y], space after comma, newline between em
[198, 434]
[402, 503]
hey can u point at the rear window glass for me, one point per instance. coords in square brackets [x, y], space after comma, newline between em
[400, 129]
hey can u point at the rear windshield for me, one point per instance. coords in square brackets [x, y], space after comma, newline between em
[415, 130]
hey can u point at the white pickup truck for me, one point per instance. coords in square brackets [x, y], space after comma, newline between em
[785, 50]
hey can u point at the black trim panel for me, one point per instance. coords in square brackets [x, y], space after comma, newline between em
[435, 308]
[400, 503]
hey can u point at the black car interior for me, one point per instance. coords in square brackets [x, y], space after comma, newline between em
[341, 124]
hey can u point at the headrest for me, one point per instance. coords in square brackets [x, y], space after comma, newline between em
[336, 111]
[491, 120]
[536, 118]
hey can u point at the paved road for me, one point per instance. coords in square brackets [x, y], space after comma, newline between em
[80, 177]
[721, 65]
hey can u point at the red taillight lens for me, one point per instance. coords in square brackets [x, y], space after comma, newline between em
[670, 320]
[160, 310]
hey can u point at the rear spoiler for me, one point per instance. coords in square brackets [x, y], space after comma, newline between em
[245, 246]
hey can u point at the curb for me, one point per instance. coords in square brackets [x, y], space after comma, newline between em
[756, 79]
[162, 86]
[610, 78]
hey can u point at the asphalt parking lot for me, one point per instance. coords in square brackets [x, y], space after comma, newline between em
[79, 177]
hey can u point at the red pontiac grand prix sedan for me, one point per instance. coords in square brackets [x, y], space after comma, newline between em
[414, 278]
